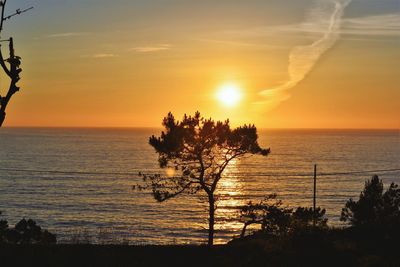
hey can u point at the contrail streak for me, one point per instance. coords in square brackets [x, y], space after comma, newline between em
[302, 59]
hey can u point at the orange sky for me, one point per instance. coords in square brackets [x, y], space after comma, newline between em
[302, 65]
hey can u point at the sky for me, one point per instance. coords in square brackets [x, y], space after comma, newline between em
[127, 63]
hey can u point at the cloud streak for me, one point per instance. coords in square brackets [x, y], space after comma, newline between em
[380, 25]
[100, 55]
[324, 17]
[66, 34]
[104, 55]
[375, 25]
[149, 49]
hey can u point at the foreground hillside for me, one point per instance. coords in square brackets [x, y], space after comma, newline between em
[332, 249]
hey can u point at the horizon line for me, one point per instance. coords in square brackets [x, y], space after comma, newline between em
[160, 127]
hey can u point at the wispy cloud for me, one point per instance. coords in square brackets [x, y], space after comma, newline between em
[377, 25]
[100, 55]
[104, 55]
[324, 17]
[149, 49]
[240, 43]
[380, 25]
[66, 34]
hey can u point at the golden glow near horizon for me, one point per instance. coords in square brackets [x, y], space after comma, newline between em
[294, 64]
[229, 94]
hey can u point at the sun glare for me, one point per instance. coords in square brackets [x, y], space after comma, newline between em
[229, 94]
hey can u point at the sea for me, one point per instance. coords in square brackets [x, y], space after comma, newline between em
[78, 182]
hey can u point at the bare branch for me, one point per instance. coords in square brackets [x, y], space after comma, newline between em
[17, 12]
[13, 72]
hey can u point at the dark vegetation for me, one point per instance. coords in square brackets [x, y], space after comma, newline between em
[198, 150]
[25, 232]
[274, 219]
[330, 248]
[375, 211]
[375, 207]
[371, 240]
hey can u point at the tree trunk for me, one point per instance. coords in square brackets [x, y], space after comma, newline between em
[2, 117]
[243, 233]
[211, 220]
[13, 73]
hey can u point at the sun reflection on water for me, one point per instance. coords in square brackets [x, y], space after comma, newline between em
[229, 193]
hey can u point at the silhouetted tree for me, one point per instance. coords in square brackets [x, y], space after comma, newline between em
[14, 70]
[199, 150]
[374, 206]
[303, 217]
[275, 219]
[391, 205]
[25, 232]
[268, 213]
[3, 229]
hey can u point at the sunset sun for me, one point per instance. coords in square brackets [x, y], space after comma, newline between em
[229, 94]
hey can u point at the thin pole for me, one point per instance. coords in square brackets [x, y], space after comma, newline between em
[315, 194]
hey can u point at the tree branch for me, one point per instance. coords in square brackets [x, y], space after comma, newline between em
[164, 196]
[3, 65]
[3, 7]
[222, 169]
[14, 75]
[14, 61]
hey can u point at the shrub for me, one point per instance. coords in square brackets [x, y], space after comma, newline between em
[278, 220]
[25, 232]
[374, 206]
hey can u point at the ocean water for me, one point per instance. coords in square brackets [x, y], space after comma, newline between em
[78, 182]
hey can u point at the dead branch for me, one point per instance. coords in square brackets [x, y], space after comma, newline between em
[14, 62]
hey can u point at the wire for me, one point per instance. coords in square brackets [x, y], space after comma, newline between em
[356, 172]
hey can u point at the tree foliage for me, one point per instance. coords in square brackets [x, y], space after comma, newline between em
[198, 150]
[374, 207]
[25, 232]
[276, 219]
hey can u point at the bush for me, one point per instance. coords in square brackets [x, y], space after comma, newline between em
[277, 220]
[304, 218]
[375, 207]
[25, 232]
